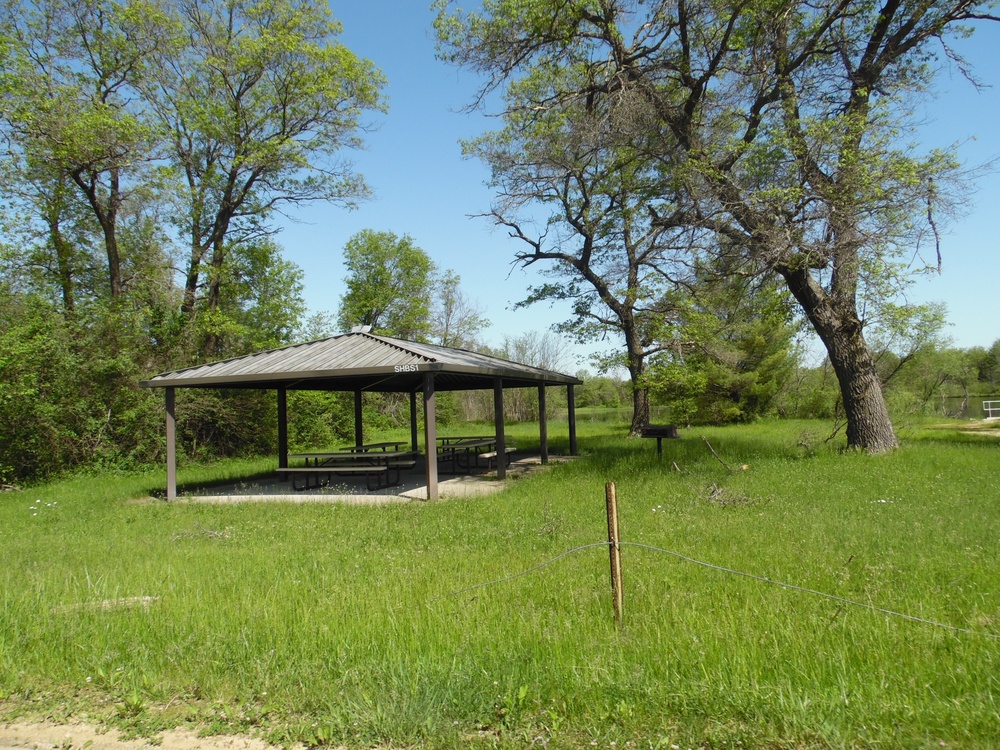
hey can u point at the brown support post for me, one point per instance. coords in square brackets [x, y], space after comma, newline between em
[413, 421]
[171, 446]
[543, 425]
[430, 435]
[282, 428]
[359, 428]
[614, 538]
[571, 404]
[498, 422]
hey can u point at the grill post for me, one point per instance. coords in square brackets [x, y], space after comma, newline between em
[659, 432]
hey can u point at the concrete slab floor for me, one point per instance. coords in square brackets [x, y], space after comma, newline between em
[353, 490]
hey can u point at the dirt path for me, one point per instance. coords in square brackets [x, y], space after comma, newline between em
[46, 736]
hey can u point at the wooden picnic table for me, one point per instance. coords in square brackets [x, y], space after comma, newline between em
[464, 453]
[460, 452]
[382, 468]
[449, 439]
[371, 447]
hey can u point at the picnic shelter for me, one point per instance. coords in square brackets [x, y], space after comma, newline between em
[358, 362]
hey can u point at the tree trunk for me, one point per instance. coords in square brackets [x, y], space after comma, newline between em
[64, 262]
[215, 279]
[869, 427]
[106, 211]
[640, 410]
[868, 424]
[114, 260]
[191, 285]
[640, 393]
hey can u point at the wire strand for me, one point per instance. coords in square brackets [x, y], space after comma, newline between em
[731, 571]
[804, 590]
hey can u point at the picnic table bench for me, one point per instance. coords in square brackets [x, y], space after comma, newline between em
[314, 475]
[449, 439]
[491, 457]
[382, 468]
[463, 453]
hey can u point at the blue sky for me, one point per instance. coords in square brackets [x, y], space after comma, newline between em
[424, 188]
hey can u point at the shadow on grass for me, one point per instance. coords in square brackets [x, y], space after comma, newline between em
[194, 487]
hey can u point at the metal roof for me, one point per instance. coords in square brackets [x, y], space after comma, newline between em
[360, 361]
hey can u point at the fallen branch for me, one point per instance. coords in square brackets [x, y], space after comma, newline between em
[744, 467]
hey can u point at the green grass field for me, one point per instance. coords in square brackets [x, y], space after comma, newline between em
[360, 626]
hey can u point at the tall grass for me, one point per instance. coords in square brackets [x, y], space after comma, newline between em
[362, 625]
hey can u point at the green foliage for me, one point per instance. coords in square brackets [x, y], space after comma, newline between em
[35, 353]
[932, 380]
[69, 392]
[226, 422]
[931, 376]
[134, 129]
[320, 419]
[259, 100]
[70, 382]
[811, 393]
[732, 353]
[600, 391]
[389, 280]
[69, 84]
[987, 363]
[261, 300]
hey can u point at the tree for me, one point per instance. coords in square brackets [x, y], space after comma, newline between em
[935, 373]
[543, 350]
[733, 354]
[781, 124]
[258, 103]
[456, 320]
[902, 332]
[389, 285]
[261, 299]
[229, 110]
[604, 242]
[71, 74]
[988, 365]
[51, 232]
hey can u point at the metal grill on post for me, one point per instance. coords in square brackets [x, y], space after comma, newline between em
[659, 432]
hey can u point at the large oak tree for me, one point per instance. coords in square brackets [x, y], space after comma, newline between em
[779, 122]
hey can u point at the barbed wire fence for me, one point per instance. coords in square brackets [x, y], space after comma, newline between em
[614, 542]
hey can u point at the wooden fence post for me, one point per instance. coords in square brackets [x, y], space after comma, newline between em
[611, 495]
